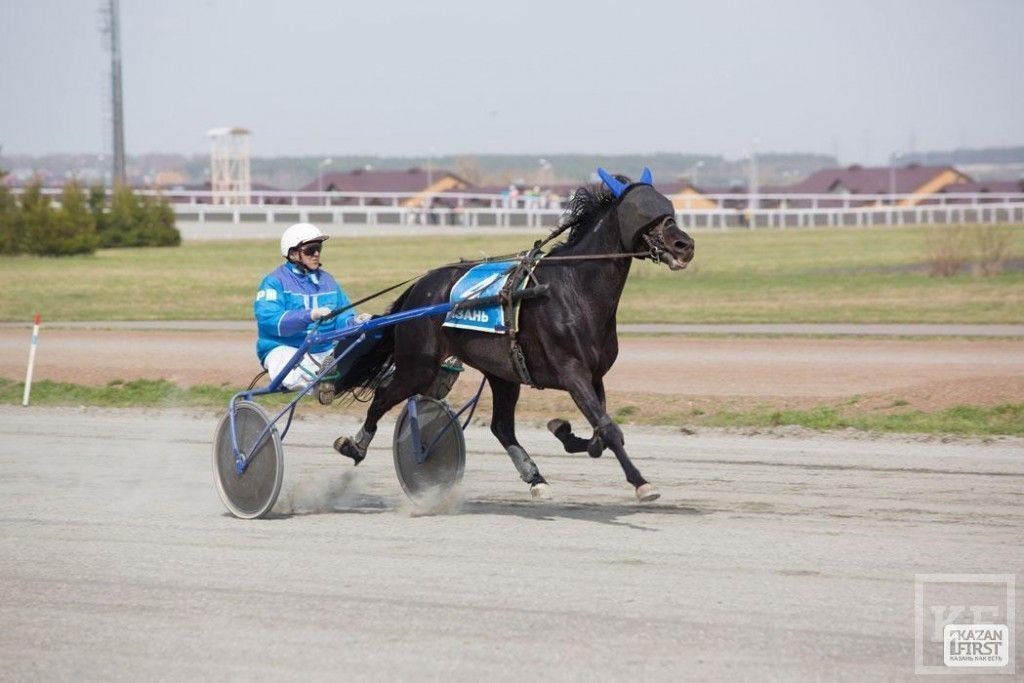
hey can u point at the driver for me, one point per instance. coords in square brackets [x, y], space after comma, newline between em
[290, 300]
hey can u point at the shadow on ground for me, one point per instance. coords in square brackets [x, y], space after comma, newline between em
[613, 515]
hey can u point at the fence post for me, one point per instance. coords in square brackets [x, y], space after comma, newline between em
[31, 360]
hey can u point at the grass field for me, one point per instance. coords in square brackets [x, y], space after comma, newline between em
[834, 275]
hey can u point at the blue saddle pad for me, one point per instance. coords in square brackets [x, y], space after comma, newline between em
[487, 279]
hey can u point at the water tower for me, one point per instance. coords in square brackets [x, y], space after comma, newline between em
[230, 181]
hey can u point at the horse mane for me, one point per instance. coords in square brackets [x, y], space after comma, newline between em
[586, 206]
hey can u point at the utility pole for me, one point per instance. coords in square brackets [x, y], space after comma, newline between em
[894, 160]
[694, 171]
[320, 175]
[120, 176]
[754, 181]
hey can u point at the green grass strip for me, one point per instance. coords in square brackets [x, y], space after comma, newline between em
[1007, 419]
[141, 393]
[964, 420]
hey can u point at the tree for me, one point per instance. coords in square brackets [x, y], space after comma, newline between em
[72, 230]
[155, 221]
[133, 221]
[34, 217]
[98, 209]
[9, 243]
[119, 226]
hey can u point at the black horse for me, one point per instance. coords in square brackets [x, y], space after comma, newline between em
[568, 336]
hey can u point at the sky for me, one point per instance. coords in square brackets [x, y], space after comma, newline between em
[862, 79]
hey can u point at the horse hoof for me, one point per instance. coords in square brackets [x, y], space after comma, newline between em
[540, 491]
[558, 427]
[325, 393]
[348, 448]
[645, 493]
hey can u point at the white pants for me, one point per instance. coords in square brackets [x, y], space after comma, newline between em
[302, 374]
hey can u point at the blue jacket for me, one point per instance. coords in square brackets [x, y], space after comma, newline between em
[283, 303]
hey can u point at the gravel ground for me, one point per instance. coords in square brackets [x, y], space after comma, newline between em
[766, 558]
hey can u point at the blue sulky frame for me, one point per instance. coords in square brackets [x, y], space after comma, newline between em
[360, 333]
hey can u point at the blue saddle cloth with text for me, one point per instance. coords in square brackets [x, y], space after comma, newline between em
[484, 280]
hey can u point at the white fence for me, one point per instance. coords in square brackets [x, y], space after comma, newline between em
[937, 214]
[476, 210]
[731, 211]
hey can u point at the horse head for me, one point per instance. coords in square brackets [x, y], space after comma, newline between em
[647, 221]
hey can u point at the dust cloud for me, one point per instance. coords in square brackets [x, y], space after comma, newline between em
[312, 495]
[435, 501]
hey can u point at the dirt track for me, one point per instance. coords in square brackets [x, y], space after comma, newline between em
[927, 374]
[765, 558]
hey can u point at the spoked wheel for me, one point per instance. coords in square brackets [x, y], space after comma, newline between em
[440, 435]
[252, 493]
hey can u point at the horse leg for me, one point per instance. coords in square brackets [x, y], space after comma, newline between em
[407, 381]
[503, 425]
[562, 430]
[575, 444]
[583, 392]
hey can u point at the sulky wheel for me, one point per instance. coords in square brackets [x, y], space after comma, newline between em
[252, 493]
[440, 436]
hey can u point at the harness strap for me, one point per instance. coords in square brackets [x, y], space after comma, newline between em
[519, 363]
[522, 272]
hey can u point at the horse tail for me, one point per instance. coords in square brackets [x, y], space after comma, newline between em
[373, 367]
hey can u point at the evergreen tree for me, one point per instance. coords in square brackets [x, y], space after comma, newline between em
[9, 243]
[156, 218]
[98, 209]
[131, 220]
[69, 230]
[144, 227]
[34, 218]
[120, 226]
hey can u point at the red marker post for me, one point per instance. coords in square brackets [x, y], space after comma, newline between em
[31, 361]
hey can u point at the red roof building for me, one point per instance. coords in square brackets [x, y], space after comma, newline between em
[913, 179]
[413, 180]
[994, 187]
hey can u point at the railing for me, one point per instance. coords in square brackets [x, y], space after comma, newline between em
[470, 217]
[478, 210]
[551, 201]
[716, 218]
[923, 214]
[847, 201]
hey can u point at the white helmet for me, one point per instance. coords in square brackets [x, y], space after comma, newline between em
[299, 234]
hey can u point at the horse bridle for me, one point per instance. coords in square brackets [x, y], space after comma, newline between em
[640, 203]
[656, 244]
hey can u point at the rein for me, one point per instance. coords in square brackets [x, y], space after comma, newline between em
[338, 311]
[596, 257]
[653, 253]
